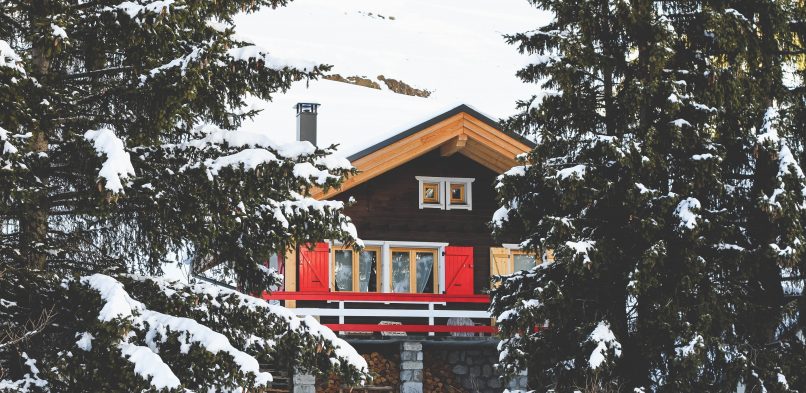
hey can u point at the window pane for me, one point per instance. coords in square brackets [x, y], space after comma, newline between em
[344, 270]
[400, 272]
[368, 271]
[458, 194]
[273, 263]
[523, 261]
[431, 193]
[425, 272]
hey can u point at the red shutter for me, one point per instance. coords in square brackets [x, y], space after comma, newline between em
[313, 268]
[459, 270]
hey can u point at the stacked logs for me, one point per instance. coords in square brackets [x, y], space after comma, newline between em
[438, 377]
[385, 370]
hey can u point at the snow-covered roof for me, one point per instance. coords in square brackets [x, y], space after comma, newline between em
[454, 48]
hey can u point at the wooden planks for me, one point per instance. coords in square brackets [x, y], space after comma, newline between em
[459, 133]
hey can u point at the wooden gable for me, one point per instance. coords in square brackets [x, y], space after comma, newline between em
[462, 130]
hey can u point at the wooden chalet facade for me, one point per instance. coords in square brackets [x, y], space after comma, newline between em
[423, 202]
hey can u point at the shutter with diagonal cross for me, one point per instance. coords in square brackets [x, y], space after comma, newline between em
[459, 270]
[314, 264]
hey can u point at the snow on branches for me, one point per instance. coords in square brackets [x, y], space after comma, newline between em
[117, 167]
[159, 335]
[605, 343]
[9, 58]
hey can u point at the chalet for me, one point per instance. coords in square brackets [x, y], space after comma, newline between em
[423, 202]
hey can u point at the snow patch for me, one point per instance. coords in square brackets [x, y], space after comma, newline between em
[8, 148]
[582, 247]
[727, 246]
[182, 62]
[249, 158]
[255, 52]
[604, 339]
[782, 381]
[133, 9]
[688, 349]
[679, 123]
[576, 171]
[150, 365]
[769, 131]
[643, 189]
[519, 170]
[686, 212]
[58, 31]
[118, 166]
[85, 341]
[702, 157]
[9, 58]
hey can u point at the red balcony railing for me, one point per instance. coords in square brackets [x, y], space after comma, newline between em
[448, 310]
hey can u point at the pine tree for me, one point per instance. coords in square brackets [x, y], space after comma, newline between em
[121, 151]
[121, 145]
[664, 184]
[135, 333]
[793, 115]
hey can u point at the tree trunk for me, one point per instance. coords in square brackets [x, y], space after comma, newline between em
[607, 70]
[34, 218]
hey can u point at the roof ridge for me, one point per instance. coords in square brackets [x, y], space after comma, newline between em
[434, 120]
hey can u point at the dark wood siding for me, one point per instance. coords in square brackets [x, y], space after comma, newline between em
[387, 208]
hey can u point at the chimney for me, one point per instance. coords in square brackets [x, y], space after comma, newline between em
[306, 122]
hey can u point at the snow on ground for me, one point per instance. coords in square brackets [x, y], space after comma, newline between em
[453, 48]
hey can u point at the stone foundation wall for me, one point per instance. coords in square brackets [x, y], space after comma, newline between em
[472, 368]
[432, 368]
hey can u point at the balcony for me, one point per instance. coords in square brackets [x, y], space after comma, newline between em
[437, 309]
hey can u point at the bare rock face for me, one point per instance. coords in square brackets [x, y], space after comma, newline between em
[354, 80]
[394, 85]
[401, 87]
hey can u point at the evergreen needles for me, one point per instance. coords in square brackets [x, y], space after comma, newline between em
[666, 184]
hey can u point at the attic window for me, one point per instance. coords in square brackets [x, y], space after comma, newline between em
[458, 196]
[446, 193]
[432, 194]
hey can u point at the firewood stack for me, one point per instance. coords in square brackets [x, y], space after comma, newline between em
[438, 377]
[385, 370]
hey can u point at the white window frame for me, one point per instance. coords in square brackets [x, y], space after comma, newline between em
[426, 179]
[444, 190]
[386, 247]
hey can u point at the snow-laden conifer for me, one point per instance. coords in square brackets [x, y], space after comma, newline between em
[667, 187]
[120, 151]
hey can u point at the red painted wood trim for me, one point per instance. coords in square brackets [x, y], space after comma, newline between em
[368, 327]
[376, 297]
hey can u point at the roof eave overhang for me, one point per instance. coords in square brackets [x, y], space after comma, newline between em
[461, 130]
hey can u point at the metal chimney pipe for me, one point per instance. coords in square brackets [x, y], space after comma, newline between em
[306, 121]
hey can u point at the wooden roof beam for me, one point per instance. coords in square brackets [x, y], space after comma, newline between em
[453, 146]
[488, 157]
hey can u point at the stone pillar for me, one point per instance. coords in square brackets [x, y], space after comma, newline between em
[519, 381]
[304, 383]
[411, 367]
